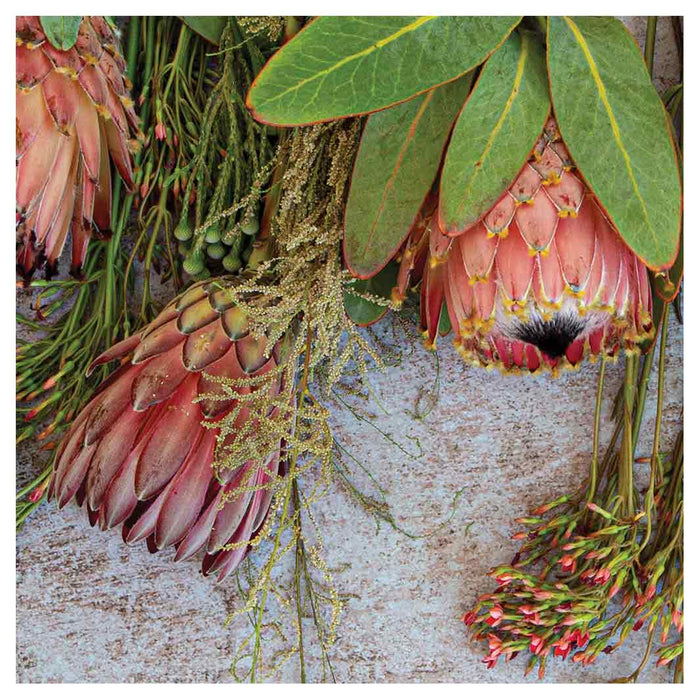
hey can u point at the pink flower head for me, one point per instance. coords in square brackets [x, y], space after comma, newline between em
[536, 644]
[469, 618]
[602, 576]
[568, 564]
[677, 619]
[505, 578]
[161, 132]
[580, 639]
[495, 616]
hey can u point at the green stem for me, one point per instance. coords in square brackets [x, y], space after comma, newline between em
[649, 498]
[132, 47]
[299, 562]
[625, 467]
[649, 45]
[593, 479]
[642, 396]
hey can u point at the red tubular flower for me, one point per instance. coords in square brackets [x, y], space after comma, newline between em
[562, 647]
[495, 616]
[541, 281]
[568, 563]
[74, 112]
[469, 618]
[138, 454]
[536, 644]
[677, 618]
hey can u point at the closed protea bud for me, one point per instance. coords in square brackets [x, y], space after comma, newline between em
[73, 112]
[138, 454]
[542, 280]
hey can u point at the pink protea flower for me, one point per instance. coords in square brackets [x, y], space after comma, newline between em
[74, 112]
[540, 282]
[138, 456]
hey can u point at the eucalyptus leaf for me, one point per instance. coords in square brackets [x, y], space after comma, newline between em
[495, 132]
[210, 27]
[364, 312]
[340, 66]
[396, 164]
[62, 32]
[617, 131]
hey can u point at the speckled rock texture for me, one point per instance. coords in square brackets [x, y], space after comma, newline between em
[91, 609]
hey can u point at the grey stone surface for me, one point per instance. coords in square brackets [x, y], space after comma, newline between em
[91, 609]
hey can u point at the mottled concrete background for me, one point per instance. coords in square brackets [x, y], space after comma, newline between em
[91, 609]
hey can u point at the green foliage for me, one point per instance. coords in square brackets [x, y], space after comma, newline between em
[62, 32]
[341, 66]
[617, 131]
[366, 301]
[399, 156]
[207, 26]
[495, 132]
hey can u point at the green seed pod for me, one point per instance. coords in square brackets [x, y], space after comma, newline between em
[250, 226]
[205, 274]
[183, 247]
[232, 237]
[183, 231]
[194, 262]
[232, 262]
[212, 234]
[216, 251]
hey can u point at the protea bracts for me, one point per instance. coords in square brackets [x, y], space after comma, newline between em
[74, 111]
[541, 281]
[138, 455]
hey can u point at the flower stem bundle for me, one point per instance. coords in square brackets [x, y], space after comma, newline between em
[596, 566]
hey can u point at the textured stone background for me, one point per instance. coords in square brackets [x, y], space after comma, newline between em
[91, 609]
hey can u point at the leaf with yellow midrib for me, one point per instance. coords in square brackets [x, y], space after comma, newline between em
[341, 66]
[398, 158]
[617, 131]
[495, 132]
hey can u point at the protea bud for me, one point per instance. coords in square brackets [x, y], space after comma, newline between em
[138, 454]
[73, 112]
[541, 281]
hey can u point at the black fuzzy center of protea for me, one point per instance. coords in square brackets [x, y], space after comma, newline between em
[551, 337]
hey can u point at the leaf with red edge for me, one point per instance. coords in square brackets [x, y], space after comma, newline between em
[617, 131]
[495, 132]
[398, 158]
[342, 66]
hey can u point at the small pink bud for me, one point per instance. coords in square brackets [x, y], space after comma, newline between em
[469, 618]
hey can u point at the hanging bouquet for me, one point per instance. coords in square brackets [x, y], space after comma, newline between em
[295, 180]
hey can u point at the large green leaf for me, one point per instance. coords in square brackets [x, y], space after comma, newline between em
[396, 164]
[363, 311]
[617, 131]
[495, 132]
[210, 27]
[62, 32]
[338, 66]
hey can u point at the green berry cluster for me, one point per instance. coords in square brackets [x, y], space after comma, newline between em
[213, 251]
